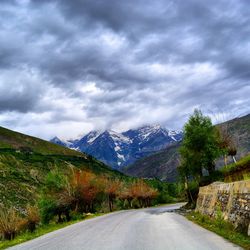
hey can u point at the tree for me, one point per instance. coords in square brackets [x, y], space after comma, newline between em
[112, 189]
[200, 145]
[86, 186]
[143, 192]
[199, 149]
[227, 143]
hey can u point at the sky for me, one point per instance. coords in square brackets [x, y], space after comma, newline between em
[68, 67]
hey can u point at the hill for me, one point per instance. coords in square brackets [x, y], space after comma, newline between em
[25, 161]
[13, 140]
[163, 164]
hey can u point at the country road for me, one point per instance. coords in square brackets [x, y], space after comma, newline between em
[144, 229]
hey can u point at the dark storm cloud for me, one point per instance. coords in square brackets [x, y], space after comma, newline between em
[118, 60]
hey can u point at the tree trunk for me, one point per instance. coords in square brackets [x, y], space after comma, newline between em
[110, 203]
[225, 160]
[189, 195]
[234, 159]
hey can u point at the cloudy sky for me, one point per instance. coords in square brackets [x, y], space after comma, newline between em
[67, 67]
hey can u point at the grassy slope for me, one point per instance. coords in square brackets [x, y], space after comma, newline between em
[22, 173]
[164, 163]
[14, 140]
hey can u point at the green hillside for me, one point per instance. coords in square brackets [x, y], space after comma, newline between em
[163, 164]
[25, 161]
[14, 140]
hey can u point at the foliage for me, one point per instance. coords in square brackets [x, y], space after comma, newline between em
[83, 191]
[112, 189]
[200, 146]
[221, 227]
[56, 199]
[32, 218]
[10, 223]
[199, 149]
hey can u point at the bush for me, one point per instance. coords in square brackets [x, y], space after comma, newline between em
[32, 219]
[10, 223]
[47, 210]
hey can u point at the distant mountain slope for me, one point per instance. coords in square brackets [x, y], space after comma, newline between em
[163, 164]
[240, 128]
[121, 149]
[25, 161]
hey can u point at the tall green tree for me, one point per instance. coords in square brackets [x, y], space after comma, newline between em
[200, 147]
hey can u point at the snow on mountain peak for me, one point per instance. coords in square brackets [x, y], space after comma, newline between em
[119, 137]
[121, 149]
[91, 136]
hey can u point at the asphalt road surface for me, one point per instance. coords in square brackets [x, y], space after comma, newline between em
[142, 229]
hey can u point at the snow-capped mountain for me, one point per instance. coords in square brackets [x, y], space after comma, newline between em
[121, 149]
[58, 141]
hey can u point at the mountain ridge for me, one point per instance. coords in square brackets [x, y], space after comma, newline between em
[121, 149]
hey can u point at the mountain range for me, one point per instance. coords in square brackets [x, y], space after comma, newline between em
[122, 149]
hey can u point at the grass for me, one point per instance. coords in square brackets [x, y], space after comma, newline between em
[222, 228]
[41, 230]
[237, 171]
[244, 163]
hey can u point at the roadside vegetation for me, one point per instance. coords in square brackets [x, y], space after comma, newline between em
[65, 198]
[221, 227]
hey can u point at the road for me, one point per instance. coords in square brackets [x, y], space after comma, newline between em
[142, 229]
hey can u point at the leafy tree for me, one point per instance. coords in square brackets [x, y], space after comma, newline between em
[112, 189]
[86, 187]
[200, 148]
[143, 192]
[227, 143]
[200, 145]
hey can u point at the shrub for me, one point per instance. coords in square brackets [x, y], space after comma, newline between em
[47, 209]
[10, 223]
[32, 219]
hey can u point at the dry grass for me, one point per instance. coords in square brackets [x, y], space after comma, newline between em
[10, 223]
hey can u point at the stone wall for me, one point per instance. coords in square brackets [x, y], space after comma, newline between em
[231, 200]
